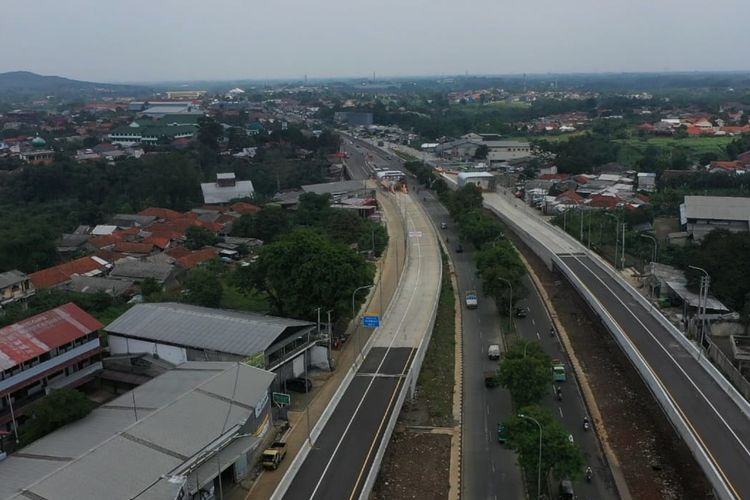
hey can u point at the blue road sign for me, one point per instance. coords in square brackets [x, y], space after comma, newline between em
[371, 321]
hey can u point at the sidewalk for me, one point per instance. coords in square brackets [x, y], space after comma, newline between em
[390, 264]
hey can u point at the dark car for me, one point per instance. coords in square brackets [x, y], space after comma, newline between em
[300, 384]
[522, 312]
[459, 248]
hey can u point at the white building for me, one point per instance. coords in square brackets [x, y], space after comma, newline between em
[226, 188]
[484, 180]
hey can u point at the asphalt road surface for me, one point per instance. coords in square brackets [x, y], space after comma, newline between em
[488, 470]
[715, 419]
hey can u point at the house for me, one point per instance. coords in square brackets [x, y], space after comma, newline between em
[182, 332]
[62, 273]
[226, 188]
[185, 434]
[353, 118]
[483, 180]
[54, 349]
[646, 182]
[96, 284]
[196, 258]
[130, 268]
[702, 214]
[132, 220]
[725, 167]
[15, 286]
[38, 157]
[243, 208]
[70, 244]
[743, 159]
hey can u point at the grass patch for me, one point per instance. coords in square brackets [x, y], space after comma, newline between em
[405, 156]
[436, 377]
[234, 298]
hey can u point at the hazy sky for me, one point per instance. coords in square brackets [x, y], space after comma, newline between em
[148, 40]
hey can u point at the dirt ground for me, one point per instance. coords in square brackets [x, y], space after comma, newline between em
[423, 476]
[655, 461]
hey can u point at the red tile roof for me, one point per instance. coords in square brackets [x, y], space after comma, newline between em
[161, 213]
[178, 252]
[103, 241]
[39, 334]
[244, 208]
[158, 241]
[571, 195]
[553, 177]
[581, 179]
[59, 274]
[132, 247]
[198, 257]
[727, 165]
[602, 201]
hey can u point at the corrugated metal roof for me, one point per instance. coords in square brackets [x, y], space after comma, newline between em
[716, 208]
[110, 454]
[11, 278]
[220, 330]
[39, 334]
[213, 193]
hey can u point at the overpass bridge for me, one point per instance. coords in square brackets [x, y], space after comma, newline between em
[705, 409]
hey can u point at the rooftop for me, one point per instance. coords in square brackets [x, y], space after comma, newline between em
[56, 275]
[9, 278]
[213, 193]
[220, 330]
[43, 332]
[715, 208]
[136, 446]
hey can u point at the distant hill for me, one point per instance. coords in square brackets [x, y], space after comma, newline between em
[25, 82]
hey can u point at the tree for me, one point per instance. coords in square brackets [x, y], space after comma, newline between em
[325, 274]
[150, 286]
[197, 237]
[204, 288]
[58, 408]
[560, 456]
[313, 209]
[209, 132]
[526, 371]
[468, 197]
[500, 260]
[478, 228]
[481, 152]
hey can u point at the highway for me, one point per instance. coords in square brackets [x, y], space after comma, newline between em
[719, 426]
[342, 456]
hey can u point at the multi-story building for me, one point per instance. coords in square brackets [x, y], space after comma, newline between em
[15, 286]
[57, 348]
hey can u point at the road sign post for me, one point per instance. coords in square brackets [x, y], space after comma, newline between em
[281, 399]
[371, 321]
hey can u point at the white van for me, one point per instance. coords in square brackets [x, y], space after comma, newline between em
[493, 351]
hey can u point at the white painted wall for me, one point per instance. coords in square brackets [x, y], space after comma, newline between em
[124, 345]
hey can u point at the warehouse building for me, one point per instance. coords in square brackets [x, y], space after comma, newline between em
[187, 434]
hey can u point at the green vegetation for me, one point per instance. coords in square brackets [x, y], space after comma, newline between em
[203, 288]
[53, 411]
[436, 379]
[197, 237]
[561, 458]
[526, 371]
[325, 273]
[100, 305]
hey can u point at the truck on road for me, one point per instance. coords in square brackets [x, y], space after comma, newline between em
[471, 299]
[273, 455]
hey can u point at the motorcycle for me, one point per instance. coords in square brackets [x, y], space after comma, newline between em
[588, 475]
[559, 394]
[586, 424]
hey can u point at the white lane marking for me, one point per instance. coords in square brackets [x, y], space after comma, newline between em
[488, 411]
[538, 336]
[560, 408]
[492, 464]
[533, 322]
[367, 390]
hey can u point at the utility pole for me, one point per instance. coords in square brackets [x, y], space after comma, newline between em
[623, 245]
[581, 236]
[702, 300]
[330, 340]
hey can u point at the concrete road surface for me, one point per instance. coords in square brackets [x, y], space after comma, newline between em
[342, 455]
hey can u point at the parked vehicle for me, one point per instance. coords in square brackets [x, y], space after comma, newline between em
[493, 351]
[472, 302]
[490, 379]
[273, 455]
[300, 384]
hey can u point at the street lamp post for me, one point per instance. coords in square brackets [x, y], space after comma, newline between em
[510, 303]
[354, 316]
[702, 299]
[617, 235]
[539, 466]
[653, 259]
